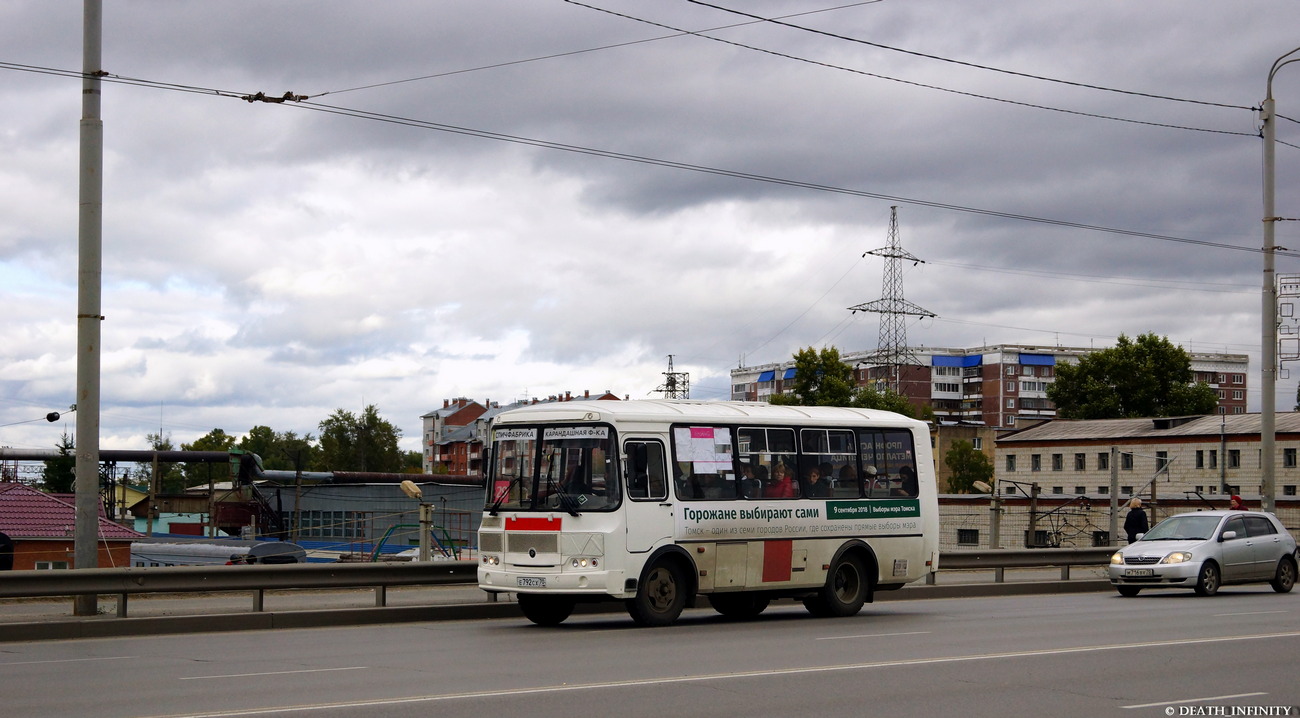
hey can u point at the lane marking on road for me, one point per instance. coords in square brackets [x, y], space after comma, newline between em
[874, 635]
[272, 673]
[65, 660]
[1248, 613]
[803, 670]
[1195, 700]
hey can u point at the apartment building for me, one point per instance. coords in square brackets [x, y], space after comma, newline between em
[996, 385]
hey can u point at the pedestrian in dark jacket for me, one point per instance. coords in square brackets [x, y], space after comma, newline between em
[1136, 521]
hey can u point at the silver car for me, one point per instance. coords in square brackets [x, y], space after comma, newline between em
[1205, 550]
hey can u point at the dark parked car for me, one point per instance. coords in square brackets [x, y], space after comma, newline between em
[1205, 550]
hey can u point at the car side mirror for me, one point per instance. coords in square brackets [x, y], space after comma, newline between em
[1227, 535]
[1139, 536]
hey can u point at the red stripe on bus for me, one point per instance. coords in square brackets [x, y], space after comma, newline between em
[776, 560]
[533, 524]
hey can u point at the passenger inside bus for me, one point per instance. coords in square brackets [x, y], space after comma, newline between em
[907, 484]
[848, 483]
[815, 485]
[875, 484]
[750, 486]
[781, 483]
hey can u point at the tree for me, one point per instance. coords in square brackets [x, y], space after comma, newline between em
[360, 443]
[60, 473]
[199, 473]
[413, 462]
[966, 465]
[823, 379]
[820, 379]
[1143, 378]
[282, 451]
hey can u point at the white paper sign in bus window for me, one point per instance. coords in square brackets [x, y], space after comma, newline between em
[516, 434]
[559, 433]
[707, 448]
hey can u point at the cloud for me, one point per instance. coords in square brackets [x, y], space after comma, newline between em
[267, 264]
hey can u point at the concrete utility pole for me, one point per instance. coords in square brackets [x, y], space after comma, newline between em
[1268, 320]
[89, 283]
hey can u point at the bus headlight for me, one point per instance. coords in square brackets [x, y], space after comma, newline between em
[491, 560]
[583, 562]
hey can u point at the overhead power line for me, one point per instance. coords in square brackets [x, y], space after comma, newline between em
[770, 179]
[571, 53]
[1016, 73]
[913, 83]
[292, 100]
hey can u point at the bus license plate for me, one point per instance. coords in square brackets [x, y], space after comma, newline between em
[531, 582]
[1130, 572]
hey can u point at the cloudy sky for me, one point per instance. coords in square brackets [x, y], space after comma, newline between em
[503, 200]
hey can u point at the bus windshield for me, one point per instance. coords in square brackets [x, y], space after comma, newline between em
[565, 468]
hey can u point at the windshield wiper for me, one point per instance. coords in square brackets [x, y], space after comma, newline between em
[567, 502]
[496, 505]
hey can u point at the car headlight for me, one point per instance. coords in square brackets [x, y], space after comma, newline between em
[1177, 557]
[1116, 558]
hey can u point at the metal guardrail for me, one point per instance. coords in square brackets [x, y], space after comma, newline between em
[998, 560]
[122, 582]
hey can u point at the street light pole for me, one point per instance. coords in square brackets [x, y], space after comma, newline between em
[1268, 308]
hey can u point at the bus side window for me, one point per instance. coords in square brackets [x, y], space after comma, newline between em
[645, 470]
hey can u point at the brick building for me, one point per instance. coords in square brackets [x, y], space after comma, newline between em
[41, 528]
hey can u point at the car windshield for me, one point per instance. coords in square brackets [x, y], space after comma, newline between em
[1182, 528]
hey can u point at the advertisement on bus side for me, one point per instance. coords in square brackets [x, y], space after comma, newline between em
[803, 519]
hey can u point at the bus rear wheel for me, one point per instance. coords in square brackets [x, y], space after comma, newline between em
[847, 588]
[545, 610]
[738, 605]
[661, 596]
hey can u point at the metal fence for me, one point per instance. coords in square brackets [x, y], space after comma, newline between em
[258, 579]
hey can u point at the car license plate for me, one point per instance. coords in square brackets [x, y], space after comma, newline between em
[531, 582]
[1134, 572]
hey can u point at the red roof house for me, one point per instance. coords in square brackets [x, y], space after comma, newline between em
[42, 527]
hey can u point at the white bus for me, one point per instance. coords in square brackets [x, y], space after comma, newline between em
[657, 502]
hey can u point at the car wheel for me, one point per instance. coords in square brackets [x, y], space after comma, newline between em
[1284, 578]
[1128, 591]
[847, 588]
[738, 605]
[661, 596]
[545, 610]
[1207, 581]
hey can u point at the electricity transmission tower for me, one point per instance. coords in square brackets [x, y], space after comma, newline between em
[677, 384]
[892, 352]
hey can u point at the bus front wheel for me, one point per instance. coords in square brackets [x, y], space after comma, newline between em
[846, 589]
[545, 610]
[661, 596]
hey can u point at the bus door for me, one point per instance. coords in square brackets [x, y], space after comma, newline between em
[648, 513]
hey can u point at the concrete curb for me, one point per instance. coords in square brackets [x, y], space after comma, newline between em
[253, 621]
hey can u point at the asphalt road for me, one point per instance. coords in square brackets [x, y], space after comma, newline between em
[1085, 654]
